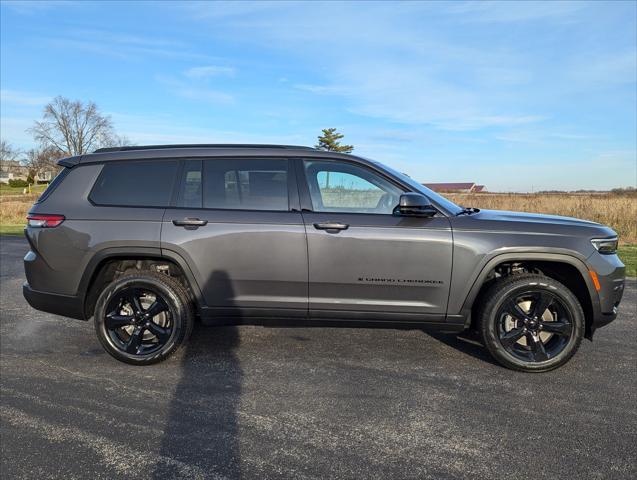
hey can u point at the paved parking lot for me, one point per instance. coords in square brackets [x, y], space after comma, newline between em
[254, 402]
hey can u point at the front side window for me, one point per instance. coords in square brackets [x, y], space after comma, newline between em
[235, 184]
[135, 183]
[348, 188]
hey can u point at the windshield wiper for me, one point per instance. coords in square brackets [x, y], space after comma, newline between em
[467, 211]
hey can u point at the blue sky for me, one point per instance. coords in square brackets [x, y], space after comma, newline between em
[520, 96]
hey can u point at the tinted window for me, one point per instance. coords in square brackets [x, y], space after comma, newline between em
[54, 184]
[343, 187]
[190, 185]
[239, 184]
[132, 183]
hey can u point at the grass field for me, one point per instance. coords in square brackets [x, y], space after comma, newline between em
[11, 229]
[617, 211]
[628, 255]
[7, 190]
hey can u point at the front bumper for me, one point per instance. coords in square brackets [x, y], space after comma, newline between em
[65, 305]
[611, 274]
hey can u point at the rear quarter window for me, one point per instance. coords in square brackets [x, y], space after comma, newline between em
[54, 184]
[135, 183]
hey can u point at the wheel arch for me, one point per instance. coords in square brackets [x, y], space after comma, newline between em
[105, 264]
[567, 269]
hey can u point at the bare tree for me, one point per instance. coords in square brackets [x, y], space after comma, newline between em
[43, 159]
[7, 153]
[73, 127]
[120, 141]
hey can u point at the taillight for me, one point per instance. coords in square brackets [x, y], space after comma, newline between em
[44, 221]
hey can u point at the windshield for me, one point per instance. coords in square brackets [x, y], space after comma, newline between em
[438, 199]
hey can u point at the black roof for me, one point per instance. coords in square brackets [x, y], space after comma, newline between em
[129, 148]
[158, 152]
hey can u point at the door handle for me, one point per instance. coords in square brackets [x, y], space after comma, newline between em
[190, 223]
[331, 226]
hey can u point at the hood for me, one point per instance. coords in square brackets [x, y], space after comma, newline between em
[520, 222]
[522, 217]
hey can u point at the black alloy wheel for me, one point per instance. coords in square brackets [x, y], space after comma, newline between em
[534, 326]
[139, 320]
[530, 322]
[144, 317]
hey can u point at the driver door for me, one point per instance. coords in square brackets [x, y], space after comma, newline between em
[364, 261]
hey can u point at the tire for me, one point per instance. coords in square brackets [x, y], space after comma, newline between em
[143, 318]
[531, 323]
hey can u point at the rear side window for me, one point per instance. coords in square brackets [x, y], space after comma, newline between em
[135, 183]
[190, 185]
[235, 184]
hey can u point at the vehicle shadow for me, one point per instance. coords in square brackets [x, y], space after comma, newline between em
[464, 343]
[201, 436]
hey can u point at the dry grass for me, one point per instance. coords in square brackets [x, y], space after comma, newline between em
[14, 208]
[617, 211]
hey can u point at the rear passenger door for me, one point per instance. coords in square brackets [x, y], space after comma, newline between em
[237, 224]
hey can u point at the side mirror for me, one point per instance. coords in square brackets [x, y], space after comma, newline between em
[415, 205]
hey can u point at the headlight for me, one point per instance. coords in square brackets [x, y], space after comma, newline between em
[605, 246]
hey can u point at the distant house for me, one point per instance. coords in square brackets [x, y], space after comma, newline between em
[5, 176]
[12, 170]
[44, 176]
[459, 187]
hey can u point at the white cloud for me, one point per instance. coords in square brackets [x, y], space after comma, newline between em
[321, 89]
[15, 97]
[166, 129]
[14, 130]
[33, 7]
[389, 66]
[507, 12]
[187, 89]
[209, 71]
[596, 70]
[122, 45]
[411, 95]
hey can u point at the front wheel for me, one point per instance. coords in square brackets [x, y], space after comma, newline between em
[531, 322]
[144, 317]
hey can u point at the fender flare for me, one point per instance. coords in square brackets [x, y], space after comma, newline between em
[529, 256]
[128, 252]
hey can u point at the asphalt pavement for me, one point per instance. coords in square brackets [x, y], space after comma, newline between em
[256, 402]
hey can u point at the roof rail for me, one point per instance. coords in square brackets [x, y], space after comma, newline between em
[203, 145]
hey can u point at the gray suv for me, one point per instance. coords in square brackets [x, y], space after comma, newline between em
[146, 239]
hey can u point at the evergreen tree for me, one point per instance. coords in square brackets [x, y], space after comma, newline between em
[330, 141]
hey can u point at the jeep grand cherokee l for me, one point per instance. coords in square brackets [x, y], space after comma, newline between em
[145, 239]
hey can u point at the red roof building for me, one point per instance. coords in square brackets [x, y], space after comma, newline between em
[459, 187]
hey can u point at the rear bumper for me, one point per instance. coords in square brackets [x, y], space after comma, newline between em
[65, 305]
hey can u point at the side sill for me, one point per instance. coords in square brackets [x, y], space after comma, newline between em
[329, 318]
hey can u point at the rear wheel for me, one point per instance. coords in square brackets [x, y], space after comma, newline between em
[530, 322]
[143, 318]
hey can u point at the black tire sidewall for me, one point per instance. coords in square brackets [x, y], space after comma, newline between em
[496, 297]
[170, 294]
